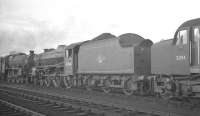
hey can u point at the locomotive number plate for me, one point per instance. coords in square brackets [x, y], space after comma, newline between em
[180, 57]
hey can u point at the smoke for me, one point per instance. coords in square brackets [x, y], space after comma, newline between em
[24, 34]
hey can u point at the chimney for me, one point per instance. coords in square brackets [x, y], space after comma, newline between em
[61, 46]
[31, 52]
[46, 50]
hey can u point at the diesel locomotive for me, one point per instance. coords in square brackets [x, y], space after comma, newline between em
[128, 63]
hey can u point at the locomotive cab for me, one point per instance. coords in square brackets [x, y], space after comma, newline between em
[187, 38]
[178, 59]
[71, 59]
[181, 55]
[71, 64]
[195, 50]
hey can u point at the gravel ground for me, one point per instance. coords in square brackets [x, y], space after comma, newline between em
[140, 103]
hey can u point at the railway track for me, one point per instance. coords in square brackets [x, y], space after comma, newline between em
[52, 105]
[9, 109]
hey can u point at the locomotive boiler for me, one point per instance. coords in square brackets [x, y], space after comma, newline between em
[49, 66]
[15, 67]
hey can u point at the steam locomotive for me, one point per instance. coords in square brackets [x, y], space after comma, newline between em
[128, 63]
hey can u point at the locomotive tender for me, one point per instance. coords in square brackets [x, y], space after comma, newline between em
[129, 63]
[109, 62]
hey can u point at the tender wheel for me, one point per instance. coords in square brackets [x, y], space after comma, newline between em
[106, 87]
[47, 81]
[67, 83]
[130, 87]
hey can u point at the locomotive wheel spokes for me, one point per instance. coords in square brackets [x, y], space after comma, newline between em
[41, 82]
[56, 81]
[47, 81]
[17, 80]
[106, 87]
[89, 84]
[34, 81]
[66, 81]
[21, 80]
[129, 87]
[165, 94]
[8, 80]
[13, 80]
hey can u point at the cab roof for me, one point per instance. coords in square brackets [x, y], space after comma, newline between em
[73, 45]
[104, 36]
[131, 39]
[190, 23]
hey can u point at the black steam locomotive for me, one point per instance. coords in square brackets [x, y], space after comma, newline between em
[129, 63]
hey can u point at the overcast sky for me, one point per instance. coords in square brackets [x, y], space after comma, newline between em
[39, 24]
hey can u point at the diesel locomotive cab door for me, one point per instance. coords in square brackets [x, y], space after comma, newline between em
[68, 62]
[195, 50]
[180, 60]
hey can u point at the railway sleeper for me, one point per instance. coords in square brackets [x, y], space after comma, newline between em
[88, 113]
[58, 107]
[47, 105]
[73, 110]
[66, 108]
[54, 103]
[14, 110]
[16, 114]
[7, 111]
[4, 109]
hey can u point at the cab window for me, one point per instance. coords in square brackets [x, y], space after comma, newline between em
[196, 34]
[68, 53]
[182, 37]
